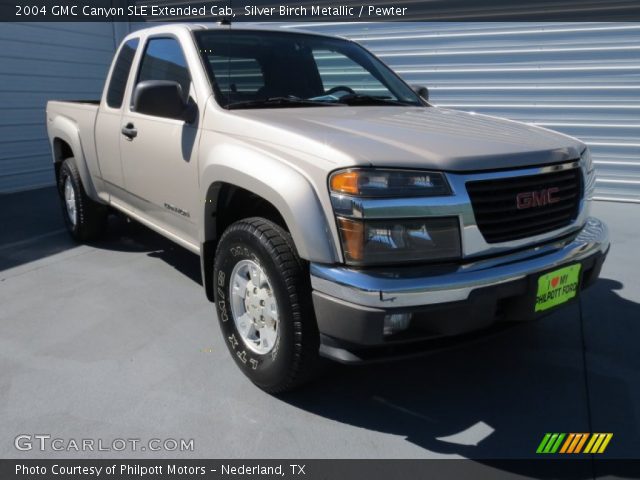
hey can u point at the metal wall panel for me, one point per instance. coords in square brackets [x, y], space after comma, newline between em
[39, 62]
[579, 78]
[582, 79]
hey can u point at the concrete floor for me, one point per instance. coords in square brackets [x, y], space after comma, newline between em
[117, 340]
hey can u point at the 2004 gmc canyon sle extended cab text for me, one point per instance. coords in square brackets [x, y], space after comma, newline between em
[337, 213]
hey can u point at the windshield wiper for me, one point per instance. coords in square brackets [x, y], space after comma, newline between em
[359, 99]
[290, 101]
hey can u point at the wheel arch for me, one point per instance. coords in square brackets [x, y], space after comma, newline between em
[61, 151]
[283, 196]
[65, 143]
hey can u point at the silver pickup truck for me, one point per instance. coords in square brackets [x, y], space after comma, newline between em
[336, 212]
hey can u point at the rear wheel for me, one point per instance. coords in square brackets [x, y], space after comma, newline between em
[263, 301]
[85, 219]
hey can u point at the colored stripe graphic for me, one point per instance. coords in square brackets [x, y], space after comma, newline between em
[550, 443]
[573, 443]
[594, 437]
[544, 441]
[556, 445]
[606, 441]
[598, 442]
[577, 439]
[567, 442]
[581, 443]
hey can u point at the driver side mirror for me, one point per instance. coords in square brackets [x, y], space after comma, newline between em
[163, 98]
[422, 91]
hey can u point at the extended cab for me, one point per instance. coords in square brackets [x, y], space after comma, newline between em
[336, 212]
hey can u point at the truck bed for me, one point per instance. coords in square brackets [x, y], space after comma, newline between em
[81, 112]
[89, 102]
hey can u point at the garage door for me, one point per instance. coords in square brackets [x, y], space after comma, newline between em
[38, 62]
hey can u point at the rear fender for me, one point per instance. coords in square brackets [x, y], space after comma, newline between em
[66, 130]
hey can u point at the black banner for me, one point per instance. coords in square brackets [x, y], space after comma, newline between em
[318, 469]
[316, 10]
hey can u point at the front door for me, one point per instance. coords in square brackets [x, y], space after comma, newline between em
[107, 132]
[159, 155]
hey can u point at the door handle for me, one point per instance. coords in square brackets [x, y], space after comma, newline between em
[129, 131]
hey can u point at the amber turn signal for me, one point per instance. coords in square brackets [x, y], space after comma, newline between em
[345, 182]
[352, 233]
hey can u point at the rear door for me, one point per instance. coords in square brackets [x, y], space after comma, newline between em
[160, 162]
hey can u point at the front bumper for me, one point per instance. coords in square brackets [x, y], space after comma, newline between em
[444, 300]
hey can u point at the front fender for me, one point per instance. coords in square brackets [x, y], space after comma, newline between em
[277, 182]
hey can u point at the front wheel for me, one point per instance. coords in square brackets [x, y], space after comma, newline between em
[263, 300]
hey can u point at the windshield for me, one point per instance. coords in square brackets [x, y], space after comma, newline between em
[261, 69]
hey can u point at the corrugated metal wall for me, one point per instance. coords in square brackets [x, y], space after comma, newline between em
[38, 62]
[581, 79]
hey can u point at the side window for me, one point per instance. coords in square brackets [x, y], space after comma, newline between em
[163, 60]
[118, 82]
[336, 69]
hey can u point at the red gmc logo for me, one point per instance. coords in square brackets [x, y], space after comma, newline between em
[538, 198]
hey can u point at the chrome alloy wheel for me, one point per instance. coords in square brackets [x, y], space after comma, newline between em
[254, 307]
[70, 200]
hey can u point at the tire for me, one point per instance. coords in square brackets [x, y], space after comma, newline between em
[87, 220]
[290, 357]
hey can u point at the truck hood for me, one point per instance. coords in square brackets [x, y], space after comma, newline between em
[415, 137]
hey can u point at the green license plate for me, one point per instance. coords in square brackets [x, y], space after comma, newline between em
[557, 287]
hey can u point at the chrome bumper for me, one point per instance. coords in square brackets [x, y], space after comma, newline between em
[411, 287]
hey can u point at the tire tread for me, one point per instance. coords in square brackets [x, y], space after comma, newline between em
[280, 247]
[92, 216]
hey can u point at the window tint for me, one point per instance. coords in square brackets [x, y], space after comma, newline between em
[247, 66]
[118, 83]
[336, 69]
[236, 74]
[163, 60]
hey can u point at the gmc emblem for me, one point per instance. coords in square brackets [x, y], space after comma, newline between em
[538, 198]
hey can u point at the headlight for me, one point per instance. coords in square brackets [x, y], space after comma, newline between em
[377, 242]
[388, 183]
[586, 160]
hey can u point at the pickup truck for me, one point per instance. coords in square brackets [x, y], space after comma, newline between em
[337, 213]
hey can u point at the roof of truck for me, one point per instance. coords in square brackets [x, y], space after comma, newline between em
[175, 27]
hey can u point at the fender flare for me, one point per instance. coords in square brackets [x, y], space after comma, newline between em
[66, 130]
[294, 198]
[287, 189]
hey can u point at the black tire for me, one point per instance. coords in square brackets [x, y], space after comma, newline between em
[294, 358]
[90, 216]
